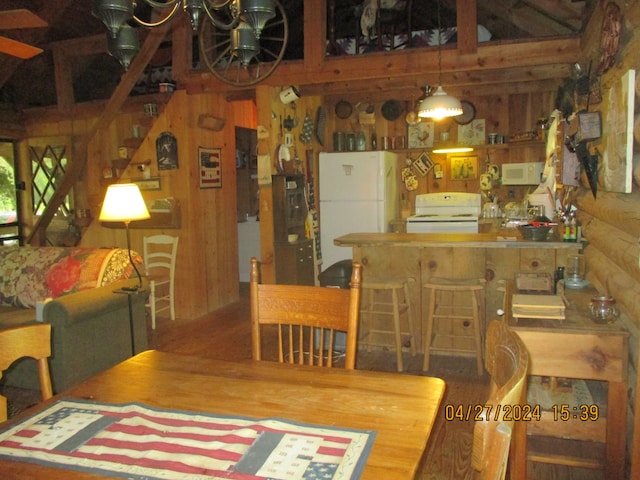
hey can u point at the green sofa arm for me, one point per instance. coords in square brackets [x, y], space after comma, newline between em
[90, 333]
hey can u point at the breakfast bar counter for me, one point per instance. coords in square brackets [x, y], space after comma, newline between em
[503, 238]
[495, 256]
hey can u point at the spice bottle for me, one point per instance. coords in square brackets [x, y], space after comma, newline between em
[572, 230]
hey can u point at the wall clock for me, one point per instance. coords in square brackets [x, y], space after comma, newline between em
[468, 113]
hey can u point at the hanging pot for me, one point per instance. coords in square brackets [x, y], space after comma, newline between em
[343, 109]
[391, 110]
[412, 118]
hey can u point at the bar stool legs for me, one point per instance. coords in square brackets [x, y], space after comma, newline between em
[382, 298]
[452, 326]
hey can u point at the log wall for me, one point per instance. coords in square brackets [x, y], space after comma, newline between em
[611, 226]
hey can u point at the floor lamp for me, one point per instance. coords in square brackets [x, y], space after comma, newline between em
[123, 202]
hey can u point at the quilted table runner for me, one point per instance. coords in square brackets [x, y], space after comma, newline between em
[135, 441]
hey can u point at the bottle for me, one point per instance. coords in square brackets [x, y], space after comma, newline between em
[572, 230]
[565, 235]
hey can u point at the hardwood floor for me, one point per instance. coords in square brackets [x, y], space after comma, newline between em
[226, 334]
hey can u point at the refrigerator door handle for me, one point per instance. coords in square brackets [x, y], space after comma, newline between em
[347, 169]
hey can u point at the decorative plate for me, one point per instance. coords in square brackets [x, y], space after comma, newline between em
[468, 113]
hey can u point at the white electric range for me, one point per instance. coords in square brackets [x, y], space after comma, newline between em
[449, 212]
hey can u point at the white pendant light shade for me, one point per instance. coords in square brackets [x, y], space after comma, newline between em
[439, 105]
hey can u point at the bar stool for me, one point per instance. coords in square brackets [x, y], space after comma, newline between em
[447, 313]
[383, 298]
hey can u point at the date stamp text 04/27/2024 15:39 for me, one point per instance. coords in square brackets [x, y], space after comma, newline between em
[520, 412]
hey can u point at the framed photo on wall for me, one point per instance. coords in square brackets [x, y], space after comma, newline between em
[464, 168]
[210, 167]
[167, 151]
[421, 135]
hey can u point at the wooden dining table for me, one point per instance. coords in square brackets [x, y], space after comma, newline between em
[401, 409]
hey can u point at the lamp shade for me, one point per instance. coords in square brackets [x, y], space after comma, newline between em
[439, 105]
[123, 202]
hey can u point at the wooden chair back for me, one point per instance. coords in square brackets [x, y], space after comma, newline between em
[507, 361]
[305, 318]
[159, 253]
[26, 341]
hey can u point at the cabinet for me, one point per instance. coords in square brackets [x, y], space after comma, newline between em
[575, 348]
[289, 206]
[293, 260]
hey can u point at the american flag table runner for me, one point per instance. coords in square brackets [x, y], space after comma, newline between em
[135, 441]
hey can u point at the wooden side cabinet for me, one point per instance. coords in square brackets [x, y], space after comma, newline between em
[289, 206]
[294, 262]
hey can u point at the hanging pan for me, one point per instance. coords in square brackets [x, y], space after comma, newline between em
[391, 110]
[343, 109]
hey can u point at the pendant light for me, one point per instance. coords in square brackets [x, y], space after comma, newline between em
[439, 105]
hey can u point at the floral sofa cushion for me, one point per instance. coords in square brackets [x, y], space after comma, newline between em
[31, 274]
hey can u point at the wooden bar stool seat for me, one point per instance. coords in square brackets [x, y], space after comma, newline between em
[455, 318]
[387, 298]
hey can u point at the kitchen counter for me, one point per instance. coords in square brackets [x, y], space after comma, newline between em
[504, 238]
[495, 256]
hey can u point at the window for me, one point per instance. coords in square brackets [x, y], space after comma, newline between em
[48, 166]
[9, 225]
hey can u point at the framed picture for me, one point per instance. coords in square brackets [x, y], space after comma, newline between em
[472, 133]
[421, 135]
[148, 183]
[210, 167]
[464, 168]
[167, 151]
[423, 164]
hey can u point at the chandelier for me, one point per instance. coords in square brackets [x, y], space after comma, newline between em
[241, 41]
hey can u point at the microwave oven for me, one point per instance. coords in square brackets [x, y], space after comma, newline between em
[528, 173]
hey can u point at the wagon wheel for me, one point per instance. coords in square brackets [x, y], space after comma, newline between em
[217, 52]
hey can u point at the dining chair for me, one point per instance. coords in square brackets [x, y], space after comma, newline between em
[159, 252]
[32, 341]
[507, 361]
[306, 319]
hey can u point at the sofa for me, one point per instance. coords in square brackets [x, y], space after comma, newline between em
[76, 291]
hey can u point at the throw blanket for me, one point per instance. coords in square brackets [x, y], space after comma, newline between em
[139, 442]
[32, 274]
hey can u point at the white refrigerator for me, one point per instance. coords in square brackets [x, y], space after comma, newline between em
[358, 194]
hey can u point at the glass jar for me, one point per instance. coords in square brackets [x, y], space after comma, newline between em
[603, 309]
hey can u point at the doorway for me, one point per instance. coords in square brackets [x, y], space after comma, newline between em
[9, 211]
[248, 199]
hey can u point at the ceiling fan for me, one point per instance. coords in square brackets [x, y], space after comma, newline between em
[18, 19]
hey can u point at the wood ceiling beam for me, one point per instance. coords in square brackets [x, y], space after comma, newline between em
[79, 155]
[368, 71]
[467, 26]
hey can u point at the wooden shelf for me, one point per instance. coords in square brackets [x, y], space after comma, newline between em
[170, 219]
[484, 146]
